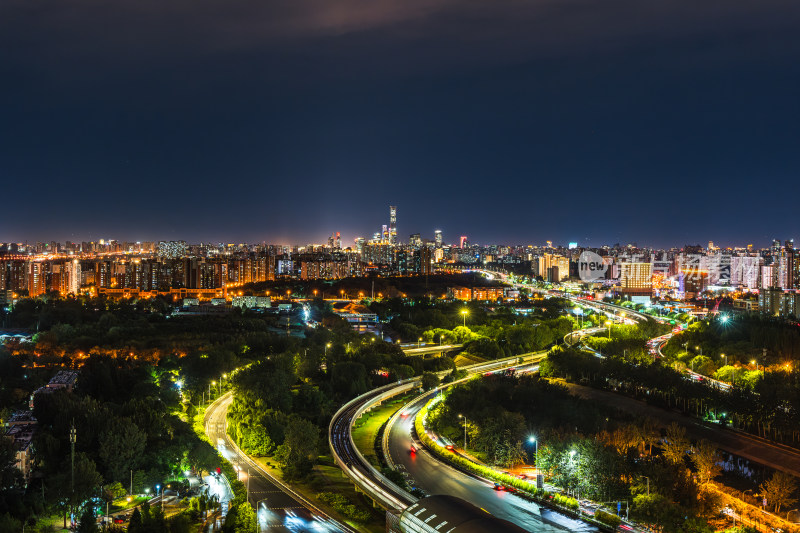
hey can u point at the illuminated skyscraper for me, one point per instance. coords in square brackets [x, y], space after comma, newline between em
[359, 242]
[438, 238]
[392, 224]
[73, 273]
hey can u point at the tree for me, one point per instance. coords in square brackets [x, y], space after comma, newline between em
[779, 490]
[300, 449]
[86, 481]
[87, 523]
[9, 523]
[9, 474]
[113, 491]
[512, 454]
[649, 433]
[653, 509]
[705, 459]
[240, 519]
[349, 379]
[675, 443]
[202, 456]
[401, 372]
[623, 438]
[135, 525]
[429, 380]
[121, 447]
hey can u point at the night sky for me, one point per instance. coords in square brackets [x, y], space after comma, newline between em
[510, 121]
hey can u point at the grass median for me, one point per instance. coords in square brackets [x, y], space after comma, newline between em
[366, 428]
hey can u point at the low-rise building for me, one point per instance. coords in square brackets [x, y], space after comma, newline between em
[476, 293]
[745, 306]
[21, 428]
[63, 380]
[252, 302]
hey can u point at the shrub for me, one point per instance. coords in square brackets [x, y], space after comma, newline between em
[343, 506]
[607, 518]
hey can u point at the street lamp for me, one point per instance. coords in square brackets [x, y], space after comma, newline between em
[328, 345]
[465, 312]
[465, 431]
[533, 441]
[608, 327]
[419, 342]
[158, 487]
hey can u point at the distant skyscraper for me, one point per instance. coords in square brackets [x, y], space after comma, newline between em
[438, 238]
[392, 224]
[463, 241]
[360, 241]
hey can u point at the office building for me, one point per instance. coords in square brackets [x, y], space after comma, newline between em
[392, 225]
[635, 278]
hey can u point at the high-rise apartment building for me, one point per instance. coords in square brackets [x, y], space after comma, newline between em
[172, 249]
[746, 271]
[438, 238]
[73, 276]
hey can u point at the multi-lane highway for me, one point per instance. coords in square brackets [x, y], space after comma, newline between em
[434, 477]
[278, 507]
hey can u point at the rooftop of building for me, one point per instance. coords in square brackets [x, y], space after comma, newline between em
[63, 378]
[21, 417]
[22, 435]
